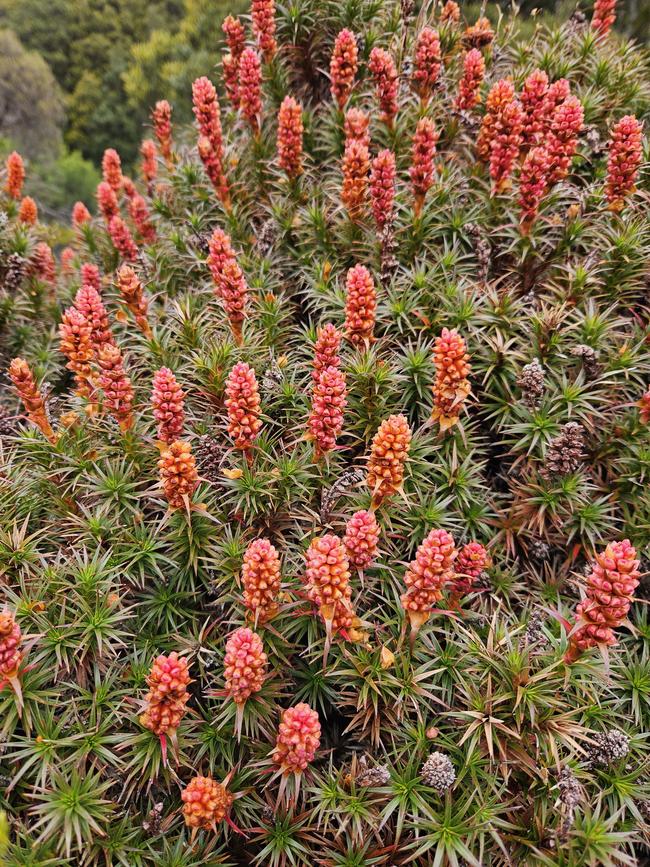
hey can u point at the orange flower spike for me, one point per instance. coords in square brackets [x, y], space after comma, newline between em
[326, 350]
[250, 88]
[327, 578]
[355, 126]
[426, 576]
[76, 343]
[328, 405]
[15, 175]
[361, 539]
[165, 703]
[261, 579]
[149, 164]
[31, 397]
[167, 400]
[388, 454]
[422, 171]
[427, 62]
[162, 126]
[289, 138]
[343, 67]
[625, 156]
[132, 293]
[28, 212]
[360, 306]
[112, 169]
[243, 405]
[178, 474]
[116, 385]
[356, 165]
[263, 16]
[451, 387]
[206, 803]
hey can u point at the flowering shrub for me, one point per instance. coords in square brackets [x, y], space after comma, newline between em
[324, 457]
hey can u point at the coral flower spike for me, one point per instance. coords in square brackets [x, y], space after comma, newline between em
[297, 741]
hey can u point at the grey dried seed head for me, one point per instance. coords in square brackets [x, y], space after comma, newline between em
[272, 378]
[610, 746]
[589, 359]
[16, 268]
[531, 383]
[565, 452]
[209, 454]
[539, 549]
[570, 791]
[330, 495]
[438, 772]
[534, 634]
[377, 776]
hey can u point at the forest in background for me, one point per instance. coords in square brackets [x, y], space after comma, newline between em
[79, 77]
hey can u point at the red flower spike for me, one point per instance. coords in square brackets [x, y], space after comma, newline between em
[382, 67]
[562, 141]
[644, 408]
[207, 113]
[112, 169]
[427, 62]
[426, 577]
[328, 404]
[229, 282]
[625, 155]
[382, 187]
[28, 212]
[214, 170]
[11, 655]
[451, 387]
[471, 561]
[609, 593]
[67, 261]
[469, 86]
[116, 385]
[167, 400]
[15, 175]
[343, 67]
[165, 702]
[535, 106]
[388, 454]
[243, 405]
[206, 803]
[250, 88]
[361, 539]
[298, 739]
[178, 474]
[75, 342]
[244, 664]
[149, 164]
[107, 201]
[80, 215]
[506, 144]
[360, 306]
[289, 138]
[533, 183]
[422, 169]
[326, 350]
[603, 17]
[261, 580]
[122, 239]
[90, 276]
[161, 117]
[44, 263]
[139, 213]
[356, 126]
[356, 164]
[236, 39]
[30, 395]
[263, 16]
[327, 580]
[89, 303]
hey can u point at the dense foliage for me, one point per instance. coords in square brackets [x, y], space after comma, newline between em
[323, 460]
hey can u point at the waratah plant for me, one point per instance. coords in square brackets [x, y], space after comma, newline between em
[325, 456]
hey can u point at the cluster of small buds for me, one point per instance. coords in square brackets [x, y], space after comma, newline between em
[478, 35]
[382, 188]
[80, 215]
[451, 387]
[205, 106]
[356, 126]
[112, 169]
[327, 406]
[11, 655]
[229, 281]
[161, 118]
[263, 15]
[609, 593]
[149, 165]
[565, 452]
[89, 303]
[450, 12]
[327, 579]
[360, 306]
[122, 239]
[167, 400]
[289, 138]
[531, 383]
[132, 293]
[608, 747]
[206, 803]
[469, 86]
[562, 141]
[343, 66]
[625, 155]
[557, 93]
[361, 539]
[31, 397]
[167, 697]
[250, 87]
[178, 475]
[116, 385]
[75, 342]
[107, 201]
[298, 739]
[28, 211]
[139, 213]
[356, 164]
[236, 39]
[243, 405]
[438, 772]
[44, 263]
[533, 183]
[644, 407]
[15, 175]
[535, 106]
[261, 579]
[603, 17]
[422, 170]
[471, 561]
[382, 67]
[244, 664]
[427, 575]
[427, 62]
[326, 350]
[388, 454]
